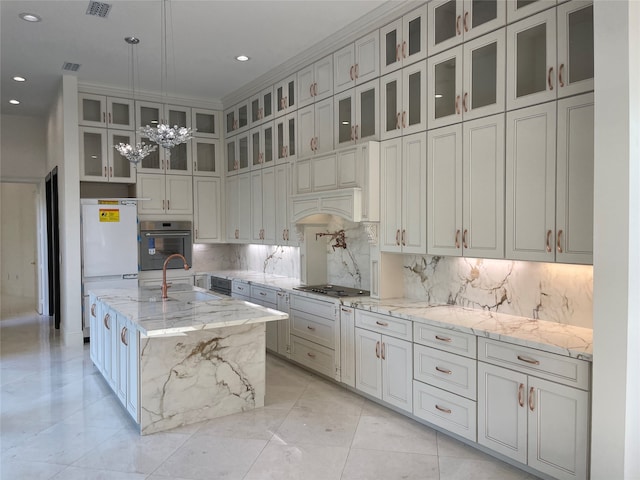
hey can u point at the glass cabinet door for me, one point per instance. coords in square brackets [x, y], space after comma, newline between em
[204, 122]
[414, 36]
[206, 153]
[267, 139]
[231, 122]
[267, 104]
[445, 105]
[286, 95]
[94, 155]
[483, 16]
[120, 113]
[232, 161]
[180, 116]
[519, 9]
[256, 148]
[531, 60]
[367, 115]
[391, 86]
[178, 158]
[390, 45]
[445, 24]
[152, 162]
[414, 98]
[120, 169]
[91, 110]
[575, 48]
[243, 152]
[243, 116]
[148, 114]
[344, 108]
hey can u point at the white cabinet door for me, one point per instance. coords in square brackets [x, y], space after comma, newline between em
[306, 130]
[343, 66]
[323, 121]
[518, 10]
[315, 82]
[404, 41]
[179, 194]
[531, 60]
[207, 196]
[93, 329]
[391, 104]
[120, 169]
[285, 95]
[445, 88]
[281, 210]
[269, 234]
[368, 362]
[530, 183]
[414, 194]
[574, 183]
[483, 187]
[575, 47]
[502, 411]
[445, 24]
[151, 187]
[231, 206]
[444, 161]
[94, 164]
[131, 338]
[286, 132]
[482, 17]
[367, 57]
[397, 372]
[122, 377]
[205, 123]
[558, 422]
[390, 195]
[257, 230]
[367, 116]
[92, 110]
[284, 329]
[344, 118]
[347, 347]
[414, 98]
[305, 79]
[244, 208]
[207, 159]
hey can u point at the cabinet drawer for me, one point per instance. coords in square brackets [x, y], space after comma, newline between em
[265, 294]
[444, 409]
[445, 370]
[241, 288]
[444, 339]
[314, 356]
[315, 307]
[557, 368]
[312, 327]
[385, 324]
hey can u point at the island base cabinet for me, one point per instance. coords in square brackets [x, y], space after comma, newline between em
[200, 375]
[536, 422]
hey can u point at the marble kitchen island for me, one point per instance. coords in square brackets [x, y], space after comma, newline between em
[188, 358]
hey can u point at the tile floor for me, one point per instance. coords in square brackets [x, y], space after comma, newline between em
[59, 420]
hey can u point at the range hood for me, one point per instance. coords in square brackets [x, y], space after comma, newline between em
[345, 203]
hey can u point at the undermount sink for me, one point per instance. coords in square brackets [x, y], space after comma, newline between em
[192, 297]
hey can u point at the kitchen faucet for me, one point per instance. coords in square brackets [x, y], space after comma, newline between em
[165, 287]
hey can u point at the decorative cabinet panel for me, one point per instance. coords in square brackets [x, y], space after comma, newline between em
[403, 190]
[453, 21]
[166, 194]
[466, 189]
[207, 197]
[263, 204]
[555, 199]
[468, 81]
[286, 131]
[347, 346]
[356, 63]
[315, 128]
[105, 112]
[262, 146]
[404, 41]
[315, 82]
[207, 159]
[205, 123]
[403, 97]
[238, 208]
[238, 154]
[284, 330]
[262, 107]
[356, 115]
[285, 95]
[236, 119]
[100, 161]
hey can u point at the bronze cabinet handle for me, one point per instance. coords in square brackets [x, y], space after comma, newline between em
[521, 395]
[457, 238]
[93, 309]
[382, 353]
[382, 324]
[532, 361]
[466, 27]
[403, 237]
[457, 104]
[398, 120]
[443, 339]
[558, 244]
[464, 238]
[464, 101]
[351, 72]
[549, 78]
[106, 321]
[458, 31]
[560, 80]
[548, 237]
[404, 49]
[123, 336]
[445, 410]
[105, 171]
[397, 235]
[531, 399]
[311, 355]
[443, 370]
[377, 349]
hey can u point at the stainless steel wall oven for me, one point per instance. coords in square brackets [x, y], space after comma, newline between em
[159, 239]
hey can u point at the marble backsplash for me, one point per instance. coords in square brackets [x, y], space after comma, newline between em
[547, 291]
[350, 266]
[274, 260]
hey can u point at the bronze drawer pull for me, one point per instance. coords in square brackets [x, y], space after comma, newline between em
[443, 370]
[445, 410]
[529, 360]
[382, 324]
[443, 339]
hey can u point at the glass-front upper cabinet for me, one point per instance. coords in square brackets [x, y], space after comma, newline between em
[261, 144]
[531, 60]
[238, 154]
[100, 162]
[356, 115]
[519, 9]
[101, 111]
[285, 95]
[575, 47]
[205, 123]
[404, 41]
[206, 157]
[261, 106]
[148, 113]
[453, 21]
[286, 130]
[237, 118]
[404, 101]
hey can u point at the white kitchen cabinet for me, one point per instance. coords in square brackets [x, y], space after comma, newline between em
[238, 208]
[384, 368]
[347, 346]
[356, 114]
[284, 330]
[236, 118]
[109, 346]
[575, 47]
[282, 208]
[100, 161]
[315, 82]
[453, 21]
[205, 123]
[356, 63]
[549, 209]
[518, 10]
[268, 298]
[95, 332]
[468, 81]
[286, 138]
[105, 112]
[262, 106]
[261, 146]
[465, 202]
[207, 160]
[207, 208]
[404, 41]
[263, 203]
[403, 98]
[165, 194]
[238, 154]
[315, 128]
[285, 96]
[403, 202]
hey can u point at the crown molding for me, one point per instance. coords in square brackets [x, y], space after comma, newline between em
[379, 17]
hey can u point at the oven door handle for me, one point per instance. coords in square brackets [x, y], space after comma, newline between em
[163, 234]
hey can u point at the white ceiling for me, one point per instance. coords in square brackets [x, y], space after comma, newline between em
[207, 36]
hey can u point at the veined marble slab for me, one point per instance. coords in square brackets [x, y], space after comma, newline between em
[259, 278]
[576, 342]
[155, 316]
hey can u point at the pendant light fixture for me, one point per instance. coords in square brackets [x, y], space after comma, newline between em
[136, 152]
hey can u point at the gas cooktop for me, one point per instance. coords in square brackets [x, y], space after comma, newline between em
[334, 290]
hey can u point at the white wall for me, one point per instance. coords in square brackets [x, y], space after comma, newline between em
[615, 435]
[23, 147]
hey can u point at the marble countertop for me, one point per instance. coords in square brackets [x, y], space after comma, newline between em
[575, 342]
[179, 314]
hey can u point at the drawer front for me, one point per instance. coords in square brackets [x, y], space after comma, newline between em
[316, 357]
[314, 328]
[446, 410]
[266, 295]
[394, 327]
[447, 340]
[241, 288]
[315, 307]
[557, 368]
[444, 370]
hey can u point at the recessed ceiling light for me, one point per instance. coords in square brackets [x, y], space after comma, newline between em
[20, 79]
[14, 102]
[242, 58]
[30, 17]
[438, 95]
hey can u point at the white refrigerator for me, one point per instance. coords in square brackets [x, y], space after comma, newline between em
[109, 247]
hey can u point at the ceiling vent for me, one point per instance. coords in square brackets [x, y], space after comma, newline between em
[98, 9]
[70, 67]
